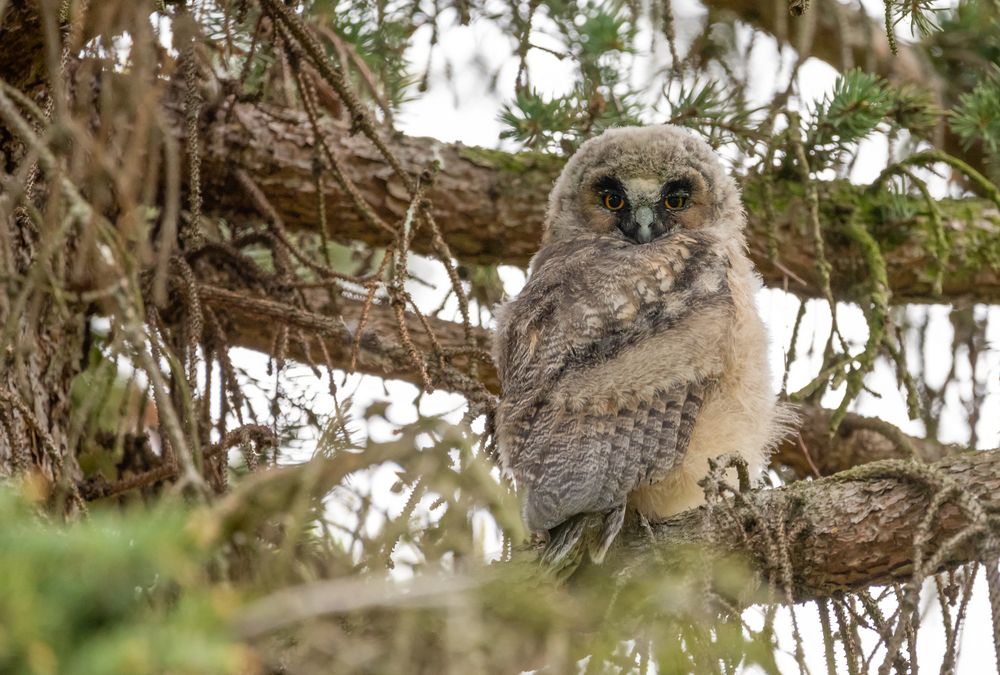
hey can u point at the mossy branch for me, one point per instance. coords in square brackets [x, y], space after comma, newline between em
[479, 206]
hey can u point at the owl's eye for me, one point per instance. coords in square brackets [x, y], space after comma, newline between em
[613, 202]
[677, 200]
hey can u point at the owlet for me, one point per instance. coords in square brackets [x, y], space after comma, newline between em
[635, 353]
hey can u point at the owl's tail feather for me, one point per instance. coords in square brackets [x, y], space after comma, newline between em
[591, 533]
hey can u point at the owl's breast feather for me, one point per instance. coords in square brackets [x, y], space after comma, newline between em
[600, 322]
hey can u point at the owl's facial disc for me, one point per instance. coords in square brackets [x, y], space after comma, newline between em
[644, 209]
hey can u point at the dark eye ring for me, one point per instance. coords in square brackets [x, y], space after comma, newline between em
[677, 200]
[613, 202]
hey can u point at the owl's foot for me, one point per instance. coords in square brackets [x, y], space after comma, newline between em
[591, 533]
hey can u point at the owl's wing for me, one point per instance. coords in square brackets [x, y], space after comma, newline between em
[590, 462]
[581, 472]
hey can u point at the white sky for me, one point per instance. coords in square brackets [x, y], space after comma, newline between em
[465, 110]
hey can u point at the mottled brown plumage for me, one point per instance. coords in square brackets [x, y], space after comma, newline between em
[634, 353]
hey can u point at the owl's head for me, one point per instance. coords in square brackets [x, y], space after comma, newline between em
[641, 184]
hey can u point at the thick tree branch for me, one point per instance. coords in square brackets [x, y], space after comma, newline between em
[490, 206]
[21, 45]
[839, 34]
[254, 322]
[845, 37]
[859, 440]
[846, 532]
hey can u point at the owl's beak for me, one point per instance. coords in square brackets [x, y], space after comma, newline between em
[644, 219]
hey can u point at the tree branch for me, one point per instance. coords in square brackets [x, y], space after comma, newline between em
[843, 36]
[21, 61]
[479, 200]
[859, 440]
[846, 37]
[846, 532]
[254, 322]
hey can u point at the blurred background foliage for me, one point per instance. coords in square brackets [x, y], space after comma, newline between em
[123, 592]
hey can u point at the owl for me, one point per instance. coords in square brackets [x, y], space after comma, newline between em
[635, 353]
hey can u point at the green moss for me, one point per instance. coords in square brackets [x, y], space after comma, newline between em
[895, 220]
[515, 163]
[979, 247]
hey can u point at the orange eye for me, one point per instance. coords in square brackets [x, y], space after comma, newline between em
[677, 200]
[613, 202]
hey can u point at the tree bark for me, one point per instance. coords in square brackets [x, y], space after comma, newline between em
[21, 46]
[846, 532]
[490, 206]
[44, 341]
